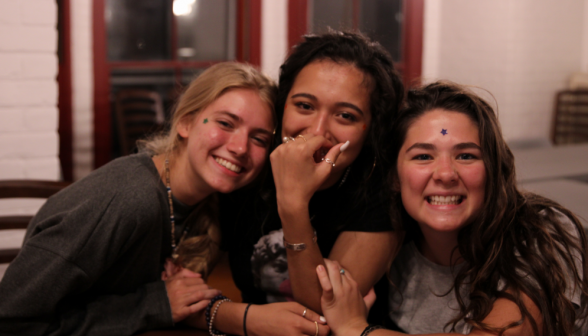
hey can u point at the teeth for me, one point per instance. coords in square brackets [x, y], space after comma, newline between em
[444, 200]
[229, 165]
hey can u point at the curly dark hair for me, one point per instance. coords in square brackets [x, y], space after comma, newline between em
[386, 97]
[515, 232]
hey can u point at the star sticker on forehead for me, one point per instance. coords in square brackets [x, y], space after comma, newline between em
[443, 131]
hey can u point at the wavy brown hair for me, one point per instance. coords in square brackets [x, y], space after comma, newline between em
[516, 239]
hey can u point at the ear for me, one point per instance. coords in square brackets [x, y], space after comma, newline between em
[184, 126]
[395, 183]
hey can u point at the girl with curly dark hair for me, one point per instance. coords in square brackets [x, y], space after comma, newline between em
[326, 197]
[481, 257]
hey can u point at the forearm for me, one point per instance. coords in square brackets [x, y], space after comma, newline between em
[302, 264]
[365, 255]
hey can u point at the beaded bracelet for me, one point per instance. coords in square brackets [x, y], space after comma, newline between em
[211, 330]
[370, 328]
[209, 318]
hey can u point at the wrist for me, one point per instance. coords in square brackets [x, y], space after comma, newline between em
[229, 318]
[211, 311]
[369, 328]
[245, 319]
[293, 212]
[356, 328]
[291, 208]
[299, 246]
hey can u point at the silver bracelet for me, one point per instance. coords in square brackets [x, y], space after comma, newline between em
[211, 330]
[299, 246]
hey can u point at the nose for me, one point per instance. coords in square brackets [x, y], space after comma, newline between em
[320, 125]
[445, 171]
[238, 143]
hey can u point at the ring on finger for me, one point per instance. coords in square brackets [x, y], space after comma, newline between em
[327, 160]
[316, 326]
[301, 136]
[342, 271]
[304, 312]
[287, 139]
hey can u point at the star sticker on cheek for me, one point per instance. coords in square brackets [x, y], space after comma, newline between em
[443, 131]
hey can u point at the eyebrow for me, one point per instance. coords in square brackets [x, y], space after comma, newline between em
[459, 146]
[467, 145]
[342, 104]
[421, 145]
[240, 120]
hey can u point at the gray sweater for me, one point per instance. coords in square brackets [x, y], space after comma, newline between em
[92, 258]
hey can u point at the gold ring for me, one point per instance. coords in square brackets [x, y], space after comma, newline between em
[301, 136]
[316, 325]
[304, 312]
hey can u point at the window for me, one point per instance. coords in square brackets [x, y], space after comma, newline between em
[161, 45]
[396, 24]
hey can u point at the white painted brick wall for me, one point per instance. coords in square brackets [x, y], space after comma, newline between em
[522, 51]
[29, 140]
[82, 88]
[274, 36]
[585, 39]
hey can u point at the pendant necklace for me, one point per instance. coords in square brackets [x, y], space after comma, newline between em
[172, 218]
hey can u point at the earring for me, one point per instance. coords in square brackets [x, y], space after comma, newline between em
[374, 166]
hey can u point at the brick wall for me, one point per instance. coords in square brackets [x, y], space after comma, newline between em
[522, 51]
[585, 39]
[28, 90]
[29, 141]
[274, 36]
[82, 88]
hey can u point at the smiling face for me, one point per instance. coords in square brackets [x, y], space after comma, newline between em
[331, 100]
[227, 143]
[441, 173]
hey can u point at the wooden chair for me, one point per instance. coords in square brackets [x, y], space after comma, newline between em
[23, 189]
[138, 113]
[570, 120]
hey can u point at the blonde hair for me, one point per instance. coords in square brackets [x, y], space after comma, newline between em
[205, 89]
[200, 251]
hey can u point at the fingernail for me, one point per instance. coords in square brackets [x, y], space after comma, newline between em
[344, 147]
[323, 319]
[320, 267]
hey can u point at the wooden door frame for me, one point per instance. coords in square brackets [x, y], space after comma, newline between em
[64, 81]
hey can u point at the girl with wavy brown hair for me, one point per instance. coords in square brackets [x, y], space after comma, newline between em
[481, 257]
